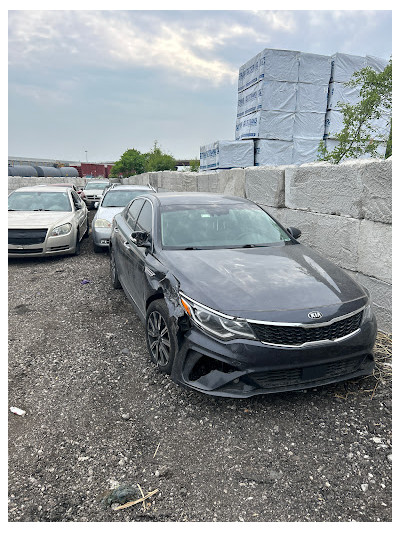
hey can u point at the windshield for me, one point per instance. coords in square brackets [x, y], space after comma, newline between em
[218, 226]
[115, 198]
[39, 201]
[91, 186]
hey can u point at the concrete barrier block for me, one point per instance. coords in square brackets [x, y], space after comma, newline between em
[336, 238]
[230, 182]
[322, 188]
[376, 178]
[266, 185]
[178, 181]
[375, 250]
[381, 297]
[203, 182]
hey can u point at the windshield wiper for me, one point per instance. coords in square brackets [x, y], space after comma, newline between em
[192, 248]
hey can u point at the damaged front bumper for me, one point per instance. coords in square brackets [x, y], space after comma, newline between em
[246, 368]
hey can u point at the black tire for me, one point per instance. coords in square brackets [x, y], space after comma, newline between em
[77, 244]
[97, 249]
[113, 270]
[160, 336]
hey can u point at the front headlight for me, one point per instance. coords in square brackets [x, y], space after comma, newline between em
[368, 313]
[61, 230]
[217, 324]
[102, 223]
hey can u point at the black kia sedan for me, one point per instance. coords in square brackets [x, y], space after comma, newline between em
[233, 305]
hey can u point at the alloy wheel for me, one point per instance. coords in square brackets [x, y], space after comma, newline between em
[159, 339]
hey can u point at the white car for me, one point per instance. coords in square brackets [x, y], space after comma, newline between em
[113, 202]
[46, 220]
[94, 190]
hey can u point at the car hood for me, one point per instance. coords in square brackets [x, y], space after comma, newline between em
[269, 283]
[37, 219]
[93, 192]
[108, 213]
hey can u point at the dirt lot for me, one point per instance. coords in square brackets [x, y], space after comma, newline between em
[102, 424]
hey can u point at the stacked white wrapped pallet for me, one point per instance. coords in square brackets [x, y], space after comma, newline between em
[312, 97]
[226, 154]
[282, 103]
[343, 68]
[267, 95]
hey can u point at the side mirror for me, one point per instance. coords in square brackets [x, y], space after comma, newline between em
[78, 206]
[141, 239]
[96, 205]
[294, 232]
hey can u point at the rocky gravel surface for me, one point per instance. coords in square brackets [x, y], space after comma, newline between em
[103, 427]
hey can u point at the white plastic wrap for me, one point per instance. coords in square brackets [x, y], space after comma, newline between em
[309, 125]
[227, 154]
[314, 68]
[279, 65]
[272, 152]
[334, 125]
[344, 66]
[270, 64]
[376, 63]
[311, 98]
[331, 144]
[338, 92]
[236, 154]
[249, 72]
[266, 125]
[305, 150]
[267, 95]
[209, 156]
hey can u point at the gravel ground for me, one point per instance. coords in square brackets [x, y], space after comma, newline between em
[102, 426]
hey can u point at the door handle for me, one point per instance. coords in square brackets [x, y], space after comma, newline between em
[127, 245]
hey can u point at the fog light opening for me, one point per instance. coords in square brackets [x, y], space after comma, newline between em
[205, 365]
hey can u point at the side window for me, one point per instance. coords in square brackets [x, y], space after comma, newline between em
[75, 198]
[133, 212]
[145, 220]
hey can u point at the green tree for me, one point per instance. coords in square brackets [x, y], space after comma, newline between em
[359, 136]
[132, 162]
[194, 165]
[157, 160]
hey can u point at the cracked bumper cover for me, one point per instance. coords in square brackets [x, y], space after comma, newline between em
[246, 368]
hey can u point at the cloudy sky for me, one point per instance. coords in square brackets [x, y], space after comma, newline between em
[105, 81]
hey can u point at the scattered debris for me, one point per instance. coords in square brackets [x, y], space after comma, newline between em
[162, 471]
[120, 495]
[17, 411]
[155, 453]
[85, 282]
[126, 416]
[129, 504]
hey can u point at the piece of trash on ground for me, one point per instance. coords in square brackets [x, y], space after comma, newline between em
[85, 281]
[17, 411]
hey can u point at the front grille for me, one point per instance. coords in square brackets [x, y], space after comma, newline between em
[297, 335]
[26, 236]
[296, 376]
[27, 251]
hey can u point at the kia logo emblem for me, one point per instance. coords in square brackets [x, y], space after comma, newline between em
[315, 314]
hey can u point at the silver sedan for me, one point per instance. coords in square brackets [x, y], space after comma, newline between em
[112, 203]
[45, 220]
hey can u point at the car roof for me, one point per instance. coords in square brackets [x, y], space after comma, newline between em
[130, 188]
[44, 188]
[196, 198]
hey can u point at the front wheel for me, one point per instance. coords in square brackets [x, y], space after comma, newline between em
[160, 337]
